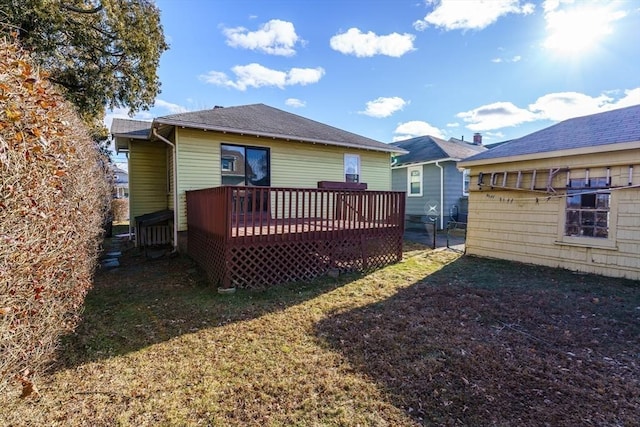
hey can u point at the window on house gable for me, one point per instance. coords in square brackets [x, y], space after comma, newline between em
[414, 181]
[243, 165]
[588, 208]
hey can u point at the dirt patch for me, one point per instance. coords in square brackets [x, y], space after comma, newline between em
[494, 343]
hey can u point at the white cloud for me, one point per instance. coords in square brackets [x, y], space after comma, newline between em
[355, 42]
[416, 128]
[172, 108]
[256, 75]
[276, 37]
[453, 125]
[576, 27]
[631, 97]
[304, 76]
[564, 105]
[384, 107]
[495, 116]
[493, 135]
[470, 14]
[295, 103]
[516, 58]
[553, 106]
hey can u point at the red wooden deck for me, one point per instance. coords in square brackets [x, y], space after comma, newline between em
[262, 236]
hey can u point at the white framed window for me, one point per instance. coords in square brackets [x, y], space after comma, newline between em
[466, 181]
[414, 181]
[352, 168]
[587, 216]
[228, 164]
[587, 211]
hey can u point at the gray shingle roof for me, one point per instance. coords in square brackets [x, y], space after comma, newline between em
[429, 148]
[127, 128]
[611, 127]
[263, 120]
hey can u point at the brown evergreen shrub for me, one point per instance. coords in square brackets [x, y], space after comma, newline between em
[120, 209]
[53, 195]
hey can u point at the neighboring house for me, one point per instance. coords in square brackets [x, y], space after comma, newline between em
[566, 196]
[250, 145]
[436, 189]
[121, 183]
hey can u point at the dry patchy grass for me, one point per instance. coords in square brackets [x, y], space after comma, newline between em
[438, 339]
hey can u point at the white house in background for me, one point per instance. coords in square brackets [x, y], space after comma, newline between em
[121, 182]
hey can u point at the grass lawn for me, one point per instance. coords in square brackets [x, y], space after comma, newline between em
[437, 339]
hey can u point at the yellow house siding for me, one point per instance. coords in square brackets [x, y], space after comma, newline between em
[170, 177]
[303, 165]
[376, 170]
[526, 226]
[293, 164]
[148, 178]
[198, 166]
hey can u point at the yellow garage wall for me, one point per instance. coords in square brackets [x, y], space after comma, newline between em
[528, 227]
[147, 178]
[293, 164]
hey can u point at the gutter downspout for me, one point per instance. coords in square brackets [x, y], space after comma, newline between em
[175, 187]
[131, 228]
[441, 194]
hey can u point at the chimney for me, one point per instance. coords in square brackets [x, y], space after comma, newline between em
[462, 138]
[477, 138]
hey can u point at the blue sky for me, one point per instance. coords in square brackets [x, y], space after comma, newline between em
[395, 69]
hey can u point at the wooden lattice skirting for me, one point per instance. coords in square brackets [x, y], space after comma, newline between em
[263, 264]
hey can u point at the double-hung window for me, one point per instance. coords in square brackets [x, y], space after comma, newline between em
[351, 168]
[414, 181]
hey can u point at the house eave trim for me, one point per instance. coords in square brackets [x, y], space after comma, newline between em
[391, 149]
[430, 162]
[606, 148]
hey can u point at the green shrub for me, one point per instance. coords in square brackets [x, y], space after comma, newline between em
[53, 195]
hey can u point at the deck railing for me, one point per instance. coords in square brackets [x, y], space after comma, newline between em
[255, 213]
[236, 217]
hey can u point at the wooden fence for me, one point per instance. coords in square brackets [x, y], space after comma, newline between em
[262, 236]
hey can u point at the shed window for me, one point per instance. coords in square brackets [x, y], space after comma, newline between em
[414, 184]
[588, 208]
